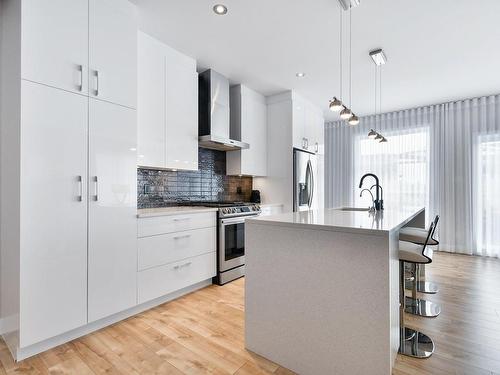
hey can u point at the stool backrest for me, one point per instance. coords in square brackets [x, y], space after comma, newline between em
[436, 221]
[430, 234]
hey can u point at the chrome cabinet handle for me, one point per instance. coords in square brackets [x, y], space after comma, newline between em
[96, 91]
[80, 82]
[182, 219]
[179, 237]
[96, 189]
[179, 266]
[317, 146]
[79, 197]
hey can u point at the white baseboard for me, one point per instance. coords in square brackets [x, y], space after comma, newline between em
[29, 351]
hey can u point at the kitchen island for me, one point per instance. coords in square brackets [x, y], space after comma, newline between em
[322, 289]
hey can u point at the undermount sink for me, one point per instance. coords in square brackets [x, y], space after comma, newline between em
[353, 209]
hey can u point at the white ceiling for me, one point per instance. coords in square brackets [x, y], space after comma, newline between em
[437, 51]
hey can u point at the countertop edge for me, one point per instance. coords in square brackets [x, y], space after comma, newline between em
[335, 228]
[330, 228]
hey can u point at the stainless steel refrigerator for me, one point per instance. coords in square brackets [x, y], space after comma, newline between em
[305, 168]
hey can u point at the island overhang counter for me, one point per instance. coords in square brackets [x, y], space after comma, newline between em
[322, 289]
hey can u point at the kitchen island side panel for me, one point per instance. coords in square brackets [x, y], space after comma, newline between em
[319, 301]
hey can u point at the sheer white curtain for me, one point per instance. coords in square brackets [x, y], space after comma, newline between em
[445, 157]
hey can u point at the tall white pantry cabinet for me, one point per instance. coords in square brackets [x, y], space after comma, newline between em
[68, 226]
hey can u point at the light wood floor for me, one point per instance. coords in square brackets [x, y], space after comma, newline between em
[202, 333]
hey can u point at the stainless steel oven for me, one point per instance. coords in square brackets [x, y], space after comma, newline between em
[231, 237]
[231, 244]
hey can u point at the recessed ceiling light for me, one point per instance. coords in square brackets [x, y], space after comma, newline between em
[300, 74]
[220, 9]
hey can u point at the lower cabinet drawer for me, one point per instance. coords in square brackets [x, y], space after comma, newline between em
[162, 280]
[167, 248]
[152, 226]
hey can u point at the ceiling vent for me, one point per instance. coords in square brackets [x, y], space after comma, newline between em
[347, 4]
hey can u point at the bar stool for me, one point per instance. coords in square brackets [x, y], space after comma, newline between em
[413, 253]
[413, 343]
[418, 236]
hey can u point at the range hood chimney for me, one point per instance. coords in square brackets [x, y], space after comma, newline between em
[213, 113]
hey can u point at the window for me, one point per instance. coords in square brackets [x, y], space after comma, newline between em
[402, 165]
[488, 203]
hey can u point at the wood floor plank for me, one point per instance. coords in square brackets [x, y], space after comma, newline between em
[203, 333]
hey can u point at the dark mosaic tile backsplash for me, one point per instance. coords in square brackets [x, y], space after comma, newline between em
[160, 188]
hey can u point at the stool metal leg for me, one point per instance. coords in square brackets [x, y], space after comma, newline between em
[411, 343]
[422, 286]
[420, 307]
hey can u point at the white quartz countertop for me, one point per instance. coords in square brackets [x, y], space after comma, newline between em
[339, 220]
[176, 210]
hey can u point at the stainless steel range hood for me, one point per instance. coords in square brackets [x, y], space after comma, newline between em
[213, 113]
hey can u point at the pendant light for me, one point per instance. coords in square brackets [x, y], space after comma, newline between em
[352, 119]
[336, 104]
[345, 114]
[379, 59]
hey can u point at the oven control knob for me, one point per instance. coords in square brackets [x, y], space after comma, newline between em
[224, 210]
[233, 210]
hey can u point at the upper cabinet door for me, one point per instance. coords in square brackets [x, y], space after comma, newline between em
[113, 51]
[151, 78]
[300, 139]
[112, 254]
[181, 112]
[55, 43]
[53, 253]
[254, 132]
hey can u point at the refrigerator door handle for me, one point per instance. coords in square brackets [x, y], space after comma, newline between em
[312, 185]
[309, 182]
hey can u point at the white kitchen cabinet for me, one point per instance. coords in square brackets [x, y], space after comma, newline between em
[112, 256]
[248, 124]
[300, 139]
[55, 43]
[181, 111]
[319, 128]
[112, 51]
[167, 248]
[66, 260]
[167, 107]
[151, 130]
[53, 254]
[159, 281]
[175, 252]
[82, 46]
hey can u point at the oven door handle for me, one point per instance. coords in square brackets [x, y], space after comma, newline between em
[234, 220]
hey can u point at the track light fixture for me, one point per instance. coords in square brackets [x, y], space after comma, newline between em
[372, 133]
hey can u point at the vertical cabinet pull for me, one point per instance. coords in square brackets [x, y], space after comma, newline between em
[96, 189]
[317, 146]
[79, 197]
[96, 91]
[80, 78]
